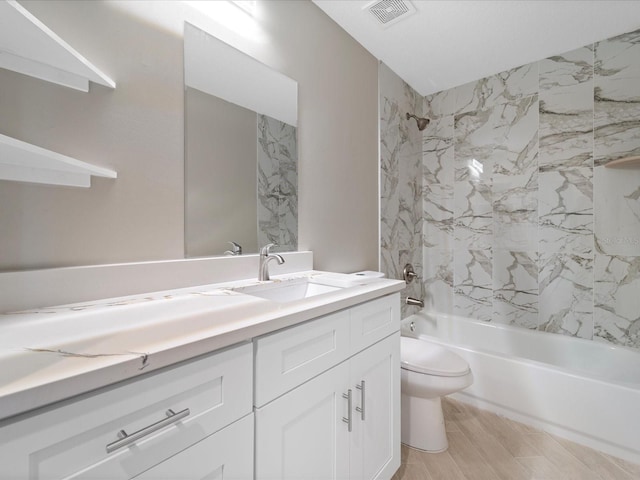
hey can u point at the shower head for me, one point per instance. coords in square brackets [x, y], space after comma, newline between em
[422, 122]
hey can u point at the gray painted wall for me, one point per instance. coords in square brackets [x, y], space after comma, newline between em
[137, 129]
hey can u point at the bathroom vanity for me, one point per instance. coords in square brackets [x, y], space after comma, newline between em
[226, 383]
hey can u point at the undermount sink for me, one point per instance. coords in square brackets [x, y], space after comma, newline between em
[288, 290]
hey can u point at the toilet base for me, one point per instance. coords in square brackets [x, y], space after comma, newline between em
[423, 424]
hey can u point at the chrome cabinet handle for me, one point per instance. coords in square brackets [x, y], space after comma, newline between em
[127, 439]
[347, 420]
[362, 394]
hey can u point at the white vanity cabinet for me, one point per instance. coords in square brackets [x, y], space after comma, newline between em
[340, 424]
[320, 399]
[181, 414]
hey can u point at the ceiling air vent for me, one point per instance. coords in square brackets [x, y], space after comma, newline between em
[388, 12]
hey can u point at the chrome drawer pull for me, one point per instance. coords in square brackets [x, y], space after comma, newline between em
[347, 419]
[125, 439]
[362, 394]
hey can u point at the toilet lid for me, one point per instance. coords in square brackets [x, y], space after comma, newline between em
[426, 357]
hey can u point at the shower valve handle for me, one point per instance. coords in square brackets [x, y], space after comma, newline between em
[409, 274]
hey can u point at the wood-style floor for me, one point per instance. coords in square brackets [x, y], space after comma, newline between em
[484, 446]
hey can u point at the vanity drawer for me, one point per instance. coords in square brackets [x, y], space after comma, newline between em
[285, 359]
[373, 321]
[227, 454]
[70, 441]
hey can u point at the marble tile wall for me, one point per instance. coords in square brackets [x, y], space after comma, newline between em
[521, 222]
[400, 181]
[277, 184]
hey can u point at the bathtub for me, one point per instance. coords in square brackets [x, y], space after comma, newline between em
[581, 390]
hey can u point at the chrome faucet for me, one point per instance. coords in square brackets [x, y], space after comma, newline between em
[265, 258]
[414, 301]
[236, 249]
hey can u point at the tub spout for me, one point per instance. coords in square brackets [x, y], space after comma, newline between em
[414, 301]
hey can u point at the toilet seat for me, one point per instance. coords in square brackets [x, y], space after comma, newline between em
[431, 359]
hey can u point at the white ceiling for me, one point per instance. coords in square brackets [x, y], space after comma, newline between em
[449, 43]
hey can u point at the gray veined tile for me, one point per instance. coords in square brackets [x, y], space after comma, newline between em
[565, 207]
[617, 211]
[400, 173]
[617, 67]
[561, 74]
[409, 228]
[566, 141]
[391, 144]
[437, 151]
[617, 97]
[390, 149]
[473, 267]
[389, 193]
[288, 223]
[500, 88]
[437, 279]
[515, 212]
[473, 301]
[388, 231]
[410, 207]
[277, 184]
[389, 262]
[500, 139]
[439, 104]
[616, 300]
[515, 288]
[617, 131]
[473, 295]
[437, 228]
[473, 216]
[520, 134]
[566, 110]
[566, 294]
[479, 138]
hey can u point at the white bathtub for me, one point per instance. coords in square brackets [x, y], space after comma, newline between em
[585, 391]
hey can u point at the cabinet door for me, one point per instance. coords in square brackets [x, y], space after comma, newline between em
[375, 441]
[301, 435]
[226, 455]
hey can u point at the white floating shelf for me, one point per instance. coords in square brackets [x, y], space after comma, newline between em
[626, 162]
[29, 47]
[23, 162]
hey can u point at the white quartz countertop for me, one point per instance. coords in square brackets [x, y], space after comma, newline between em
[55, 353]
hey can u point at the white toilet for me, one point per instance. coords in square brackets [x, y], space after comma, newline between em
[429, 371]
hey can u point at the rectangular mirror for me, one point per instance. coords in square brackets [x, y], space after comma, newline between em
[241, 165]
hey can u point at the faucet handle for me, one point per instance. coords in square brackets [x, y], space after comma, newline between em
[409, 274]
[236, 249]
[264, 251]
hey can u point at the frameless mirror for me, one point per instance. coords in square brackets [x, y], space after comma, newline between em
[241, 165]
